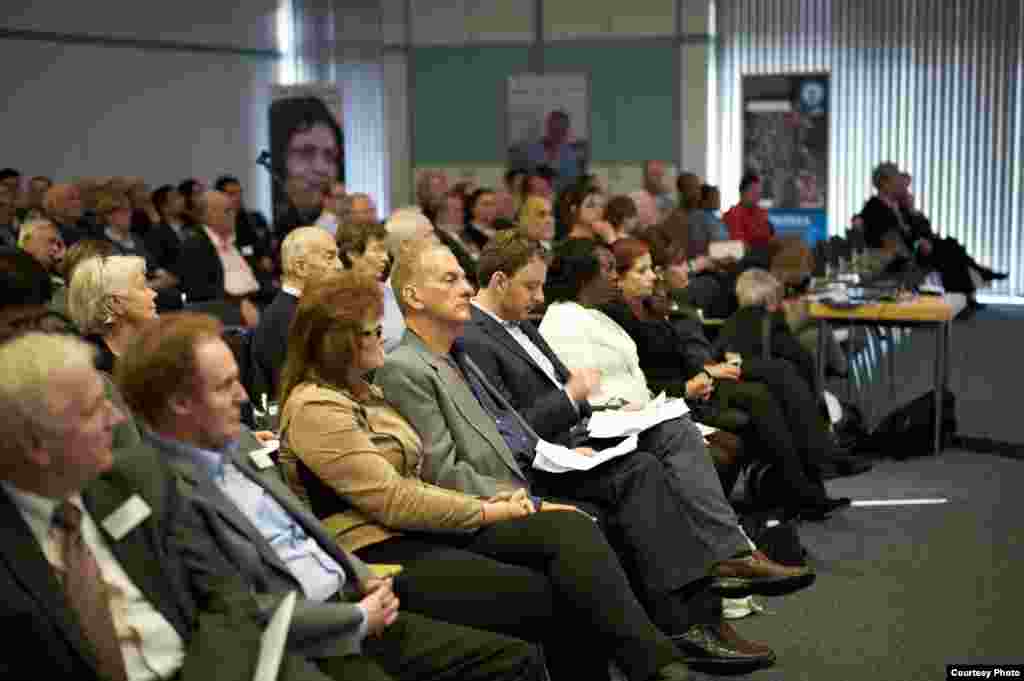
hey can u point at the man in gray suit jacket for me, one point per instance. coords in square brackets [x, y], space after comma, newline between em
[181, 379]
[56, 445]
[476, 442]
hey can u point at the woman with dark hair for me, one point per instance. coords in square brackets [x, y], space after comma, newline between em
[481, 212]
[784, 428]
[489, 563]
[585, 214]
[622, 215]
[307, 155]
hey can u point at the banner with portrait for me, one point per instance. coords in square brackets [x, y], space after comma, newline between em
[307, 149]
[785, 141]
[547, 123]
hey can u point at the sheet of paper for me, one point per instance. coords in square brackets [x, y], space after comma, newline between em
[624, 422]
[272, 644]
[554, 458]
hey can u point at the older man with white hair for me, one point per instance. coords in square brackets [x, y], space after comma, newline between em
[308, 254]
[40, 238]
[88, 568]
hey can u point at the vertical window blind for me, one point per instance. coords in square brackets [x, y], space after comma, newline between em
[935, 87]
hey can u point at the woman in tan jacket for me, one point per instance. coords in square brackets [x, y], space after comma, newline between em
[466, 560]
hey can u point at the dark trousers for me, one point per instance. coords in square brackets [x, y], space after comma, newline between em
[416, 648]
[661, 554]
[785, 425]
[510, 576]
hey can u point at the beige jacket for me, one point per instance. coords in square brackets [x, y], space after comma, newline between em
[372, 457]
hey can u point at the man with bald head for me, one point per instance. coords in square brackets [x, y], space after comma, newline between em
[211, 266]
[308, 254]
[63, 205]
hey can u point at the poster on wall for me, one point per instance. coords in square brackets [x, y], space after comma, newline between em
[547, 123]
[307, 150]
[785, 141]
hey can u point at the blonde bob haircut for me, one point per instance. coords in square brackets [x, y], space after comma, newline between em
[94, 284]
[758, 288]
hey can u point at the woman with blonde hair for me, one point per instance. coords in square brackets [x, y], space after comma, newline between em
[490, 563]
[109, 300]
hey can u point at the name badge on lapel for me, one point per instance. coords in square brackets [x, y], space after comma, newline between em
[261, 457]
[247, 251]
[126, 518]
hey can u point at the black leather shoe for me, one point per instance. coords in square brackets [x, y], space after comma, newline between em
[706, 650]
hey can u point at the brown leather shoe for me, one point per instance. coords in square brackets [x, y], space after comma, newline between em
[757, 574]
[706, 650]
[732, 637]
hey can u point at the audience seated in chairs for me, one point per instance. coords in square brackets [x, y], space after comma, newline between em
[476, 442]
[308, 254]
[58, 481]
[212, 268]
[449, 222]
[358, 462]
[164, 238]
[779, 417]
[181, 379]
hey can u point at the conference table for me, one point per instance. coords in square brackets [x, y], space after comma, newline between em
[923, 310]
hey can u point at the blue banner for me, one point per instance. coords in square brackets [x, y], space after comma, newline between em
[810, 223]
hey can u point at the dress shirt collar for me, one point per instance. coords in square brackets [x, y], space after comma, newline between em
[291, 290]
[495, 317]
[209, 461]
[38, 510]
[219, 242]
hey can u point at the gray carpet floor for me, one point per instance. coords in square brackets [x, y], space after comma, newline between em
[903, 591]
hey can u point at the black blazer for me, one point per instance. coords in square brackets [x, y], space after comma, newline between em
[511, 370]
[200, 273]
[269, 345]
[670, 352]
[164, 245]
[880, 219]
[743, 331]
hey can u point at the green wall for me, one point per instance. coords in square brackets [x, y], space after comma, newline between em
[458, 100]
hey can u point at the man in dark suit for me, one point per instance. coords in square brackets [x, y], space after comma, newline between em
[211, 266]
[475, 441]
[182, 380]
[522, 366]
[92, 575]
[307, 255]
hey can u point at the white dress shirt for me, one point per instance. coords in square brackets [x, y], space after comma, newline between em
[151, 647]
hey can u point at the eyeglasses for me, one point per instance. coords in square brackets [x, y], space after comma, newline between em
[377, 331]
